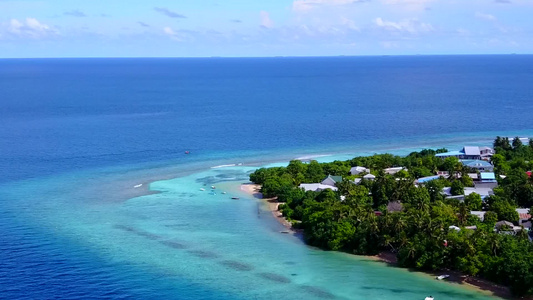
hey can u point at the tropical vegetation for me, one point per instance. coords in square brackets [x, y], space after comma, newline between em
[417, 222]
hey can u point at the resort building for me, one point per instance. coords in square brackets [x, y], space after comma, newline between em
[428, 178]
[316, 187]
[395, 170]
[523, 220]
[358, 170]
[482, 191]
[486, 153]
[487, 177]
[331, 180]
[468, 152]
[479, 165]
[369, 177]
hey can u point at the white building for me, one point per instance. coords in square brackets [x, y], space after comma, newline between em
[369, 177]
[316, 187]
[358, 170]
[395, 170]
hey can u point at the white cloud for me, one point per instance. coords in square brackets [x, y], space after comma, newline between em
[181, 35]
[487, 17]
[173, 34]
[30, 28]
[169, 31]
[412, 26]
[350, 24]
[266, 22]
[409, 5]
[306, 5]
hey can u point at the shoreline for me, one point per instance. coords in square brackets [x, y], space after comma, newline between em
[389, 258]
[273, 206]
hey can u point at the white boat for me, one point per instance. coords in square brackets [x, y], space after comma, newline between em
[138, 185]
[202, 189]
[429, 298]
[213, 187]
[224, 193]
[441, 277]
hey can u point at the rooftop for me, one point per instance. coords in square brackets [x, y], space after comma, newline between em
[335, 178]
[426, 179]
[523, 213]
[451, 153]
[475, 163]
[483, 192]
[470, 150]
[487, 176]
[316, 187]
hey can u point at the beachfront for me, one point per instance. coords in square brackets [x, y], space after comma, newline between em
[336, 192]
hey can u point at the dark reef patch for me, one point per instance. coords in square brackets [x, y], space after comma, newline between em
[274, 277]
[318, 292]
[138, 232]
[173, 244]
[203, 254]
[236, 265]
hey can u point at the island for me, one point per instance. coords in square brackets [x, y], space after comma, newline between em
[461, 211]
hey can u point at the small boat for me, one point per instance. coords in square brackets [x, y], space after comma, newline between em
[429, 298]
[285, 231]
[138, 185]
[202, 189]
[187, 152]
[235, 198]
[224, 193]
[441, 277]
[213, 187]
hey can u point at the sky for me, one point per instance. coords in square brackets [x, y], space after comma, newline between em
[199, 28]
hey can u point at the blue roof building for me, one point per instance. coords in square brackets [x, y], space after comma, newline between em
[468, 152]
[480, 165]
[488, 177]
[427, 179]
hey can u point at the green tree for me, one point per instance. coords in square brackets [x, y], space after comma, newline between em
[490, 218]
[452, 165]
[517, 143]
[473, 201]
[296, 167]
[315, 172]
[505, 210]
[457, 188]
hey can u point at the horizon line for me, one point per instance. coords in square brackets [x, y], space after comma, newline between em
[273, 56]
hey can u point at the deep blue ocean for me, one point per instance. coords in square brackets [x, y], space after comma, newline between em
[76, 135]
